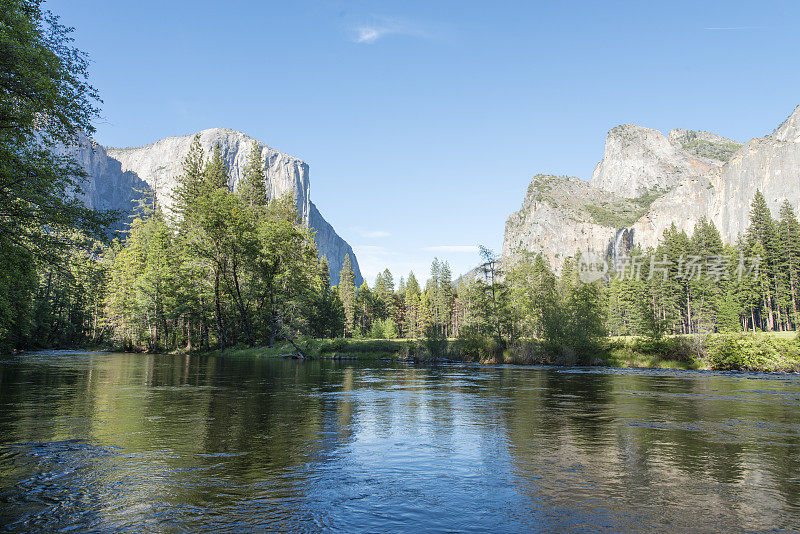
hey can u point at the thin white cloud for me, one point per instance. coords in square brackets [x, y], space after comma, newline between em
[374, 250]
[370, 234]
[373, 259]
[376, 234]
[731, 28]
[453, 248]
[370, 35]
[383, 26]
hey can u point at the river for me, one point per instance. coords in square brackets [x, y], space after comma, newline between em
[148, 443]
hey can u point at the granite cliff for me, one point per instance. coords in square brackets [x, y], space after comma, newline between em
[118, 175]
[647, 181]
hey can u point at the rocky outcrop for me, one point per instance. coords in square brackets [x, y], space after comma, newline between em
[770, 164]
[118, 176]
[332, 247]
[562, 216]
[704, 145]
[640, 161]
[160, 164]
[108, 187]
[646, 182]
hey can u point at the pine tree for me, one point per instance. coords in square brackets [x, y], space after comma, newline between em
[524, 278]
[745, 284]
[365, 309]
[327, 315]
[216, 172]
[143, 279]
[496, 293]
[253, 186]
[413, 303]
[401, 317]
[584, 321]
[704, 289]
[447, 298]
[191, 183]
[286, 269]
[762, 233]
[433, 293]
[347, 294]
[670, 283]
[789, 255]
[730, 311]
[385, 305]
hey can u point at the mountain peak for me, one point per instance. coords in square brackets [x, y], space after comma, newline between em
[790, 129]
[159, 164]
[639, 161]
[708, 146]
[664, 181]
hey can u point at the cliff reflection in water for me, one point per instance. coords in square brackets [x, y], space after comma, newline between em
[115, 442]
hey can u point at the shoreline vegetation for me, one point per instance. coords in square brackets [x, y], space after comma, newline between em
[760, 352]
[751, 352]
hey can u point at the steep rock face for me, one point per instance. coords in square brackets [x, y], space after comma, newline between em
[562, 216]
[682, 206]
[770, 164]
[108, 187]
[639, 161]
[117, 175]
[789, 131]
[159, 164]
[699, 174]
[333, 247]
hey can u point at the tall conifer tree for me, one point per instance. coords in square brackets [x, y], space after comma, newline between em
[347, 294]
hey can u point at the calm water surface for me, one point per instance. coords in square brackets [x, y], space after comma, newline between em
[117, 442]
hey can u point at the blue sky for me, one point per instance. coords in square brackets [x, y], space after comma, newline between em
[423, 122]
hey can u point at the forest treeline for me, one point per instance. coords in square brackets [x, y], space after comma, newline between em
[223, 268]
[688, 284]
[236, 269]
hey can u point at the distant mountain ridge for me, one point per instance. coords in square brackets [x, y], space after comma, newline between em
[647, 181]
[116, 175]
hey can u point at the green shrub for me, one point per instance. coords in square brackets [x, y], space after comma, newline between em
[383, 329]
[748, 352]
[333, 345]
[722, 151]
[435, 342]
[471, 345]
[680, 349]
[374, 345]
[531, 352]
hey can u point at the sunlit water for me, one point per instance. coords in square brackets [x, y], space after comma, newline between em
[117, 442]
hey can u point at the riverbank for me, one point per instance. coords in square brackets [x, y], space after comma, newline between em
[765, 352]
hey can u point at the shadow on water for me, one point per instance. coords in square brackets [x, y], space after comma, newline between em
[117, 442]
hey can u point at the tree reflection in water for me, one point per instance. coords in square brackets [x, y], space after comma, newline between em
[117, 441]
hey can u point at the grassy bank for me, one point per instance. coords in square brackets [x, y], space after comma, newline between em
[722, 352]
[744, 352]
[336, 349]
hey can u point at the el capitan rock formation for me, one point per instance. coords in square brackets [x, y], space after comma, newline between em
[116, 175]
